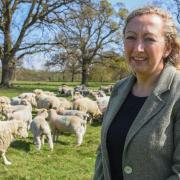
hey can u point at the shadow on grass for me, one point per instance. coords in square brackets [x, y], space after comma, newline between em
[21, 145]
[96, 124]
[62, 142]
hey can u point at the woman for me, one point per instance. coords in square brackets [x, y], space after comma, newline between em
[140, 137]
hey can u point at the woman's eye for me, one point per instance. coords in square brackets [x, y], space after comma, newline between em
[149, 40]
[130, 38]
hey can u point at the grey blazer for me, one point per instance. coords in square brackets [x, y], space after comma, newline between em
[152, 145]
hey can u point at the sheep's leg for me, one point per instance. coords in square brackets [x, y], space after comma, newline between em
[50, 141]
[6, 162]
[34, 140]
[79, 135]
[55, 135]
[42, 139]
[38, 143]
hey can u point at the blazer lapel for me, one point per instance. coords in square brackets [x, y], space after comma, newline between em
[150, 108]
[154, 103]
[116, 101]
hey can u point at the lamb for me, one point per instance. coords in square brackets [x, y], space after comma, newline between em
[82, 89]
[64, 103]
[4, 100]
[102, 103]
[65, 90]
[78, 113]
[8, 131]
[30, 97]
[70, 124]
[40, 128]
[15, 100]
[89, 106]
[24, 104]
[77, 95]
[45, 101]
[21, 114]
[106, 89]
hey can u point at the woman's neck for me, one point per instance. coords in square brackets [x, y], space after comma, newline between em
[144, 85]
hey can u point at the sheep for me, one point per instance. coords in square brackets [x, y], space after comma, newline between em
[30, 97]
[4, 100]
[38, 92]
[20, 114]
[15, 100]
[70, 124]
[65, 90]
[64, 103]
[106, 89]
[45, 101]
[8, 131]
[40, 128]
[24, 104]
[102, 103]
[81, 114]
[82, 89]
[77, 95]
[89, 106]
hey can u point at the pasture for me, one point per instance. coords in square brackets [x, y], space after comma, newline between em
[66, 162]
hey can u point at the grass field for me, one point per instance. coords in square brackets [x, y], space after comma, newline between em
[66, 162]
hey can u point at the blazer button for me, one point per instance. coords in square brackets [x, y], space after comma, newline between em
[128, 169]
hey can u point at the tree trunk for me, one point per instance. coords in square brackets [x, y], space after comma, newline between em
[72, 77]
[8, 70]
[85, 74]
[73, 74]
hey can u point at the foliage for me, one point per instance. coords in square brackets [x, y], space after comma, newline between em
[89, 30]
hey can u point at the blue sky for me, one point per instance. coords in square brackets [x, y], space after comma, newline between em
[131, 4]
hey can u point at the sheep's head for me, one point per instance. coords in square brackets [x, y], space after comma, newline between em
[22, 130]
[43, 112]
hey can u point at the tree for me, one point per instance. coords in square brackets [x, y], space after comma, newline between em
[24, 29]
[91, 28]
[66, 61]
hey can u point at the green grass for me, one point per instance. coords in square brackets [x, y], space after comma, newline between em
[66, 162]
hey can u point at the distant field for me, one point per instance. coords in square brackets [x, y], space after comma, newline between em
[66, 162]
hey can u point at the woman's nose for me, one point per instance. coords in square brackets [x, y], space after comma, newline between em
[139, 46]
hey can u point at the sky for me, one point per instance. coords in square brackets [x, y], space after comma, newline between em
[131, 4]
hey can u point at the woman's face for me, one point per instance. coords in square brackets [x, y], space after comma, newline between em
[144, 44]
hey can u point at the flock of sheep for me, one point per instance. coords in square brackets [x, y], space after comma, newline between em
[54, 115]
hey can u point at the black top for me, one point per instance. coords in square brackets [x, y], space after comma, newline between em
[118, 130]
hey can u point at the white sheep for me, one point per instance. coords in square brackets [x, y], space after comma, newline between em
[40, 128]
[89, 106]
[70, 124]
[4, 100]
[65, 90]
[81, 114]
[8, 131]
[20, 114]
[47, 102]
[30, 97]
[15, 100]
[102, 103]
